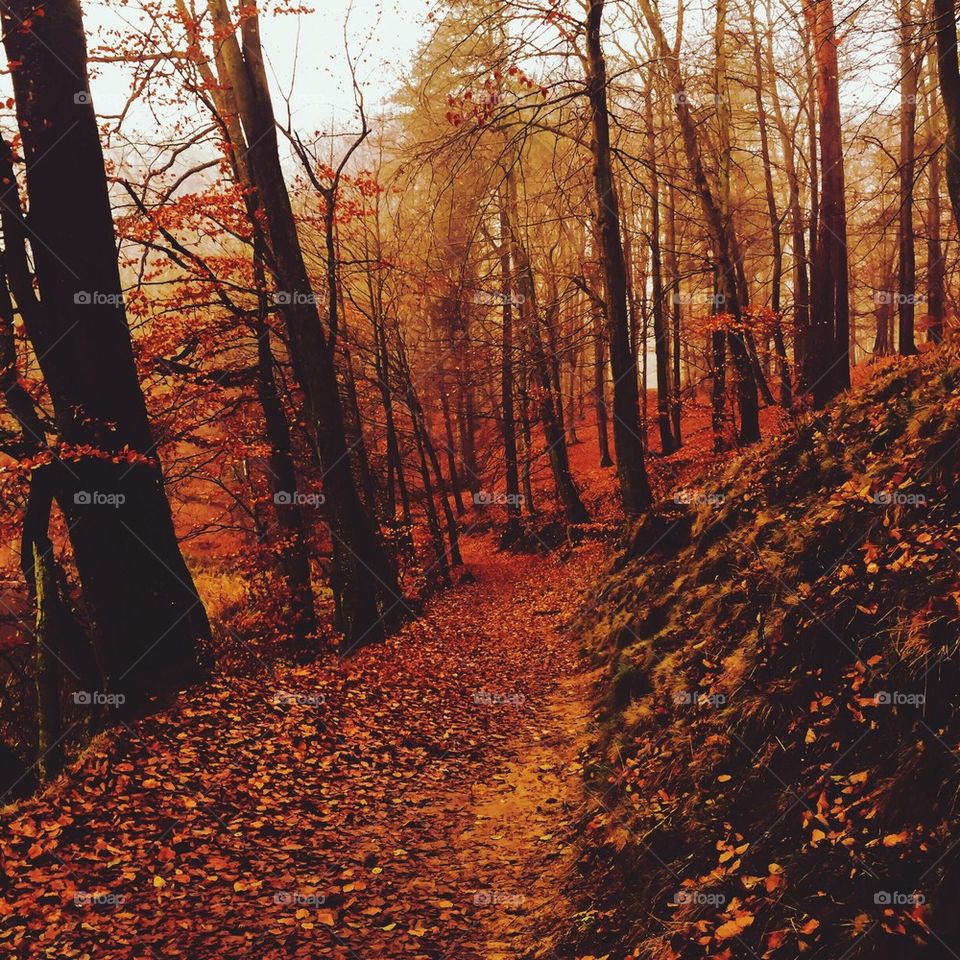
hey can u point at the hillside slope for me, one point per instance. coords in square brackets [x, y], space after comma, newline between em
[779, 768]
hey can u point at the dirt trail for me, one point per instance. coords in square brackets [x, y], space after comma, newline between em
[414, 801]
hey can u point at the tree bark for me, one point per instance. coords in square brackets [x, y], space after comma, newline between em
[907, 270]
[147, 614]
[635, 493]
[949, 72]
[368, 595]
[830, 318]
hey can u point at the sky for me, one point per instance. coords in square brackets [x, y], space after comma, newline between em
[307, 49]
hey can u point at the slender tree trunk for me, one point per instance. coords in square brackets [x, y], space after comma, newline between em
[936, 264]
[513, 529]
[731, 286]
[776, 246]
[147, 613]
[48, 635]
[801, 293]
[661, 335]
[634, 487]
[567, 492]
[672, 261]
[907, 276]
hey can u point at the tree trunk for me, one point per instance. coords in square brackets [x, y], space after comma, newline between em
[936, 264]
[907, 274]
[48, 632]
[830, 333]
[145, 606]
[552, 423]
[949, 73]
[369, 598]
[634, 487]
[513, 529]
[661, 335]
[282, 473]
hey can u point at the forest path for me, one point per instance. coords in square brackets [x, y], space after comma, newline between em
[413, 801]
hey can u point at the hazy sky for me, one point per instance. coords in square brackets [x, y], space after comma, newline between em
[382, 35]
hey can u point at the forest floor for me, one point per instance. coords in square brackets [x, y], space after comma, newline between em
[416, 800]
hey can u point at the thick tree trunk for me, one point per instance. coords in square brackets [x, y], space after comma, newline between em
[949, 73]
[635, 493]
[369, 598]
[147, 613]
[830, 318]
